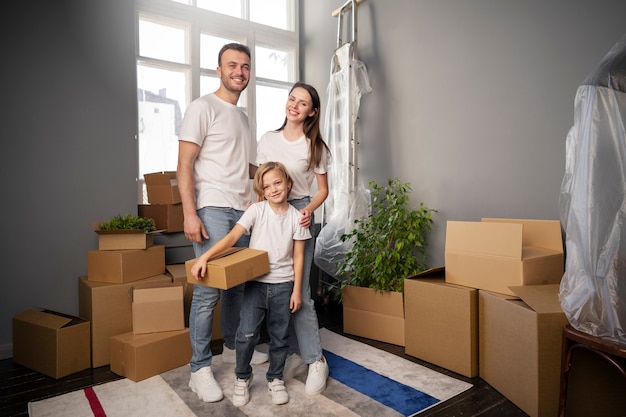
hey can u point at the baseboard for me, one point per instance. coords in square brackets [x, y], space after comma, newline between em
[6, 351]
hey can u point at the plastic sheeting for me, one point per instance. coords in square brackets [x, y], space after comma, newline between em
[347, 200]
[593, 203]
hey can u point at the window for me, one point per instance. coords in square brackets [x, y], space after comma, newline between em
[177, 46]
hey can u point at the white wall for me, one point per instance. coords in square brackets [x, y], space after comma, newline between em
[471, 100]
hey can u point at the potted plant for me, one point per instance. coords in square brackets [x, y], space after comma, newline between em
[388, 246]
[122, 232]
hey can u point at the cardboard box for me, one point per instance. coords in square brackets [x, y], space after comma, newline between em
[108, 307]
[519, 346]
[179, 275]
[441, 322]
[231, 268]
[167, 217]
[124, 239]
[178, 249]
[138, 357]
[373, 314]
[52, 343]
[123, 266]
[162, 187]
[495, 254]
[158, 309]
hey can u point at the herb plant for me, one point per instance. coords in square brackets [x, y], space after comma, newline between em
[388, 245]
[128, 221]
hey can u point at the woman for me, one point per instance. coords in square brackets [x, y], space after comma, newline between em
[298, 144]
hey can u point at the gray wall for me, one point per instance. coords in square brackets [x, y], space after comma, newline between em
[471, 104]
[471, 100]
[68, 145]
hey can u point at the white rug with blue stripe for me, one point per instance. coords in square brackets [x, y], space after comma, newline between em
[364, 381]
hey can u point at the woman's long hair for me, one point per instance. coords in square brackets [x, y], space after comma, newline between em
[311, 127]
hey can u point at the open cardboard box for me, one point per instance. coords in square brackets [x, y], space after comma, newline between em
[441, 322]
[109, 309]
[157, 308]
[373, 314]
[231, 268]
[162, 187]
[495, 254]
[167, 217]
[520, 340]
[52, 343]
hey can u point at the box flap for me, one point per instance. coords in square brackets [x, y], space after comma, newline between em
[485, 239]
[44, 318]
[436, 272]
[157, 293]
[541, 298]
[540, 233]
[161, 178]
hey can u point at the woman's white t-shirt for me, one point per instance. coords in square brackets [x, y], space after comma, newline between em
[295, 156]
[275, 234]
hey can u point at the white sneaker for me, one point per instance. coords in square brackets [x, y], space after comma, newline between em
[294, 366]
[278, 391]
[316, 380]
[241, 394]
[204, 384]
[229, 356]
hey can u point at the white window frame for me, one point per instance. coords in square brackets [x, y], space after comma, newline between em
[200, 21]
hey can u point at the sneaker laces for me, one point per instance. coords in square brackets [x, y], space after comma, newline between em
[240, 386]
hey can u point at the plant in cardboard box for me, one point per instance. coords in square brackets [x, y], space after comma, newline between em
[125, 232]
[128, 221]
[388, 246]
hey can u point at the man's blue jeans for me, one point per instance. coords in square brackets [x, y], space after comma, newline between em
[270, 302]
[304, 334]
[218, 222]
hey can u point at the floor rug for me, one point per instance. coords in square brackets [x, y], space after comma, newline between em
[364, 381]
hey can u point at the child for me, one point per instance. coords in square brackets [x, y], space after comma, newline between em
[273, 225]
[298, 144]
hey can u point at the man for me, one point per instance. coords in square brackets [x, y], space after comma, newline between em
[214, 183]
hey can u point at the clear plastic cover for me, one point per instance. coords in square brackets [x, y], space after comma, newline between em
[347, 200]
[593, 203]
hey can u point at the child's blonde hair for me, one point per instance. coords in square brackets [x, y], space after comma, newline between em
[265, 168]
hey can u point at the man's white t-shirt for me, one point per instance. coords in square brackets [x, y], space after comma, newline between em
[295, 156]
[221, 171]
[275, 234]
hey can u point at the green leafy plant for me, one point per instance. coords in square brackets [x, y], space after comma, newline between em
[128, 221]
[390, 244]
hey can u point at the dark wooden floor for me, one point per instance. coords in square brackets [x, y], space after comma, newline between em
[19, 385]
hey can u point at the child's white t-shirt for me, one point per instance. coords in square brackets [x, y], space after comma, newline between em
[274, 233]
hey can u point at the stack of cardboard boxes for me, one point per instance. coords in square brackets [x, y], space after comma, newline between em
[133, 305]
[494, 311]
[166, 209]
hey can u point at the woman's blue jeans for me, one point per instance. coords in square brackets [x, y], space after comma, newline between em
[218, 221]
[270, 302]
[304, 333]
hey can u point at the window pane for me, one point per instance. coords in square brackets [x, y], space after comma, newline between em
[272, 63]
[161, 41]
[229, 7]
[270, 12]
[208, 84]
[270, 108]
[209, 49]
[161, 103]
